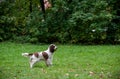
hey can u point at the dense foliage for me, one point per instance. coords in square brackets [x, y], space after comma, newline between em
[67, 21]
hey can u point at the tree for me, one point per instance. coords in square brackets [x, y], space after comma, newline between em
[114, 25]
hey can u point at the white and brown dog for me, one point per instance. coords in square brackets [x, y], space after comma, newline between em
[45, 55]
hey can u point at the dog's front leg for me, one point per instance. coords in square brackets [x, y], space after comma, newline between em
[48, 62]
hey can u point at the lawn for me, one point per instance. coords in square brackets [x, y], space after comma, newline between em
[70, 62]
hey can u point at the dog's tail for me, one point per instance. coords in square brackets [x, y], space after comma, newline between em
[26, 54]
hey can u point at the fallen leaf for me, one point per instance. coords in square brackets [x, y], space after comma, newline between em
[67, 74]
[101, 75]
[91, 73]
[76, 75]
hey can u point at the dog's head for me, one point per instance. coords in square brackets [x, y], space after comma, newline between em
[52, 48]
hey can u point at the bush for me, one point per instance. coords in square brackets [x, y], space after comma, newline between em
[91, 22]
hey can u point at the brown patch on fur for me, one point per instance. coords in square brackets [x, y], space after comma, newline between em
[36, 55]
[30, 54]
[45, 55]
[52, 48]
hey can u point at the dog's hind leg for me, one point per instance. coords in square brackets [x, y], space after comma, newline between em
[32, 62]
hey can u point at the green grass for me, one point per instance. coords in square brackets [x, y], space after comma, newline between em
[70, 62]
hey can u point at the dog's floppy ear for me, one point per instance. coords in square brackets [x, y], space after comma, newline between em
[52, 48]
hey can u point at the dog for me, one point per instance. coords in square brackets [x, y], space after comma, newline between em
[47, 56]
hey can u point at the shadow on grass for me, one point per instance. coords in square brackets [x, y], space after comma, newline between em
[4, 74]
[116, 75]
